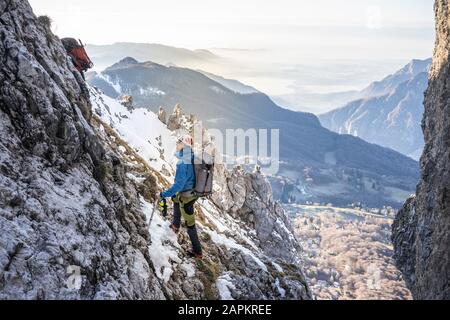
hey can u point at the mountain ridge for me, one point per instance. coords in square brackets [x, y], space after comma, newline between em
[304, 142]
[105, 55]
[390, 114]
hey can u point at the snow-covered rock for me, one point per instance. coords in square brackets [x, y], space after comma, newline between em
[65, 203]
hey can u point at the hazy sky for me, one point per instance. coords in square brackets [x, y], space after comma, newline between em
[231, 23]
[367, 38]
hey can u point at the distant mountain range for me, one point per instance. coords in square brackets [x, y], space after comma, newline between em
[106, 55]
[318, 164]
[389, 112]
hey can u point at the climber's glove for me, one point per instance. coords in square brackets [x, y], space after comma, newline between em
[162, 206]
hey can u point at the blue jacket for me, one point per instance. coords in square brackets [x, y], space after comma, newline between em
[185, 175]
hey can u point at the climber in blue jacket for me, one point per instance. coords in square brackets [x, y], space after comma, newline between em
[182, 194]
[185, 176]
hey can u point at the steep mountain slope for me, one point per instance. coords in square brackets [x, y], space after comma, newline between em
[243, 230]
[421, 231]
[390, 112]
[337, 162]
[76, 195]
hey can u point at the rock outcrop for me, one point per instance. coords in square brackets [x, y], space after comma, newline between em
[162, 115]
[248, 197]
[127, 102]
[173, 123]
[421, 232]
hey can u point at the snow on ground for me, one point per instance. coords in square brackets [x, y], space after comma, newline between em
[150, 91]
[115, 84]
[280, 289]
[225, 285]
[223, 224]
[164, 250]
[143, 131]
[209, 208]
[286, 230]
[278, 267]
[140, 128]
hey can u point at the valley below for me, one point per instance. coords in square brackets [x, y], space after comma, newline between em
[348, 253]
[97, 167]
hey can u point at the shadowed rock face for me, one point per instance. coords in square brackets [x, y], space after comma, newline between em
[64, 199]
[421, 232]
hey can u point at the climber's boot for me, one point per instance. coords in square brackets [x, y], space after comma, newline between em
[194, 255]
[174, 228]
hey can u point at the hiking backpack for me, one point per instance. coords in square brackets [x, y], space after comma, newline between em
[204, 174]
[75, 49]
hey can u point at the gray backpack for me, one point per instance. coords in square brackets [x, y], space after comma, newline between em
[204, 174]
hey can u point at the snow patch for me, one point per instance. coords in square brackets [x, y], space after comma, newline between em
[278, 267]
[280, 289]
[115, 84]
[225, 285]
[189, 269]
[150, 91]
[140, 128]
[217, 90]
[164, 250]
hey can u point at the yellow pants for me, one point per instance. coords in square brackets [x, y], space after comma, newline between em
[186, 207]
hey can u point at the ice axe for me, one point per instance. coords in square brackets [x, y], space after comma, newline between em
[161, 203]
[153, 213]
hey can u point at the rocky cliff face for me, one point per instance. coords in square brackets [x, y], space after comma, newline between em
[421, 231]
[77, 187]
[58, 207]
